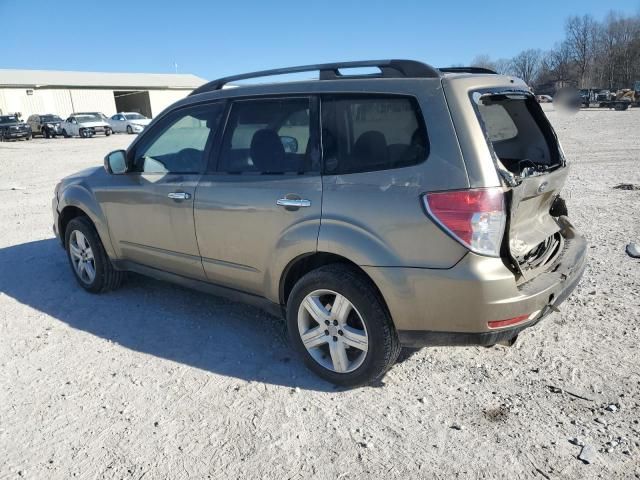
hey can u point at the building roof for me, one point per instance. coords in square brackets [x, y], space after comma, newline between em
[124, 81]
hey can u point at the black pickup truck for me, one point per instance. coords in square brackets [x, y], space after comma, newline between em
[12, 128]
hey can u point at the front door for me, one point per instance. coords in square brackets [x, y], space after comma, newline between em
[260, 206]
[150, 209]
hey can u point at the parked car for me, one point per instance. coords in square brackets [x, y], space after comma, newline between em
[47, 125]
[12, 128]
[544, 98]
[130, 122]
[85, 125]
[416, 207]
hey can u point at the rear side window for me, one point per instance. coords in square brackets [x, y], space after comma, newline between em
[271, 136]
[367, 133]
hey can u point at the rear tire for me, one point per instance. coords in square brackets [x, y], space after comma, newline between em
[107, 132]
[89, 262]
[366, 324]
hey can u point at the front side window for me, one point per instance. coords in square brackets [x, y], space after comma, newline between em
[367, 133]
[178, 144]
[269, 137]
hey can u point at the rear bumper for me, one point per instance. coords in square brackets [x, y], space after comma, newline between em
[454, 306]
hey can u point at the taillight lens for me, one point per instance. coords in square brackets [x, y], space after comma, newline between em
[474, 217]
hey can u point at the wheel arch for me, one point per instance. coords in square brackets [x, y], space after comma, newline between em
[303, 264]
[77, 201]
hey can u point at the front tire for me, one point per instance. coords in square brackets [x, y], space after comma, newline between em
[65, 134]
[340, 326]
[107, 132]
[129, 129]
[89, 262]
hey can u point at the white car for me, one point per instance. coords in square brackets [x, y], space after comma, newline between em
[130, 122]
[85, 125]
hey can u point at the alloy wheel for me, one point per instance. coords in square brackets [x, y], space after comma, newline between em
[333, 331]
[82, 257]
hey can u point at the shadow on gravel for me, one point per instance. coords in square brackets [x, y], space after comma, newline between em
[157, 318]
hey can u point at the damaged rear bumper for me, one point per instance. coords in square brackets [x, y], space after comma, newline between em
[455, 306]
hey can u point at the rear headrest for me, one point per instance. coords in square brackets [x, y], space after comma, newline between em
[267, 152]
[371, 148]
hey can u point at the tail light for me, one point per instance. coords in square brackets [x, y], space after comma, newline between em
[474, 217]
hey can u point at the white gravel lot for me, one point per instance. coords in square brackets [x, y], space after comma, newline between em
[154, 381]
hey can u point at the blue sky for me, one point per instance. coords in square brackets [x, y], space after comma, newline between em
[213, 39]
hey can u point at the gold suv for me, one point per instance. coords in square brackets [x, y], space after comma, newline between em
[402, 206]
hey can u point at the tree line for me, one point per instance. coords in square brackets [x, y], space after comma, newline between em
[593, 54]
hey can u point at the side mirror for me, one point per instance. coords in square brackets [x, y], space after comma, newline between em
[115, 162]
[290, 144]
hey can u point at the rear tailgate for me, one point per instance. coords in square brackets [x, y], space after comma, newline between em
[530, 220]
[528, 155]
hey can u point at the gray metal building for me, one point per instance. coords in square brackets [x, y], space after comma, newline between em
[62, 93]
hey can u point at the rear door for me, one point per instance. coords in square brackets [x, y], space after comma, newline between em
[260, 204]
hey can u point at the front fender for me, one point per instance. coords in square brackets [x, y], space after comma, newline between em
[78, 196]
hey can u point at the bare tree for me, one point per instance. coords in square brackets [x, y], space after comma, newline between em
[483, 61]
[526, 65]
[580, 38]
[559, 64]
[593, 54]
[504, 66]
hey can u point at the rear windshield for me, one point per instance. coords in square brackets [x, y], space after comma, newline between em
[8, 119]
[50, 118]
[88, 118]
[518, 131]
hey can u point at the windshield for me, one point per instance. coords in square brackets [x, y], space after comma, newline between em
[9, 119]
[88, 117]
[135, 116]
[50, 118]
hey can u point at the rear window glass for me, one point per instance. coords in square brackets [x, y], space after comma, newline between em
[367, 133]
[497, 122]
[518, 131]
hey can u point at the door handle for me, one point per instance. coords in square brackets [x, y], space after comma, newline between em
[179, 195]
[296, 203]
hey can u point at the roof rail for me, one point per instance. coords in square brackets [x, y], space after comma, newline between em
[331, 71]
[467, 70]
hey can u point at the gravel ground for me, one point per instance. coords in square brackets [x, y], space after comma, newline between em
[156, 381]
